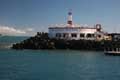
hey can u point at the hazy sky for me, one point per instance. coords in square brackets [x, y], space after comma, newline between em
[29, 16]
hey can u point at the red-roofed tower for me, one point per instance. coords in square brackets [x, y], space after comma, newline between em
[70, 22]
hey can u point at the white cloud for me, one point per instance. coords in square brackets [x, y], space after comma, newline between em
[5, 30]
[29, 29]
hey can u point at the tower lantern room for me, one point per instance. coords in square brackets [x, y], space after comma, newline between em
[70, 22]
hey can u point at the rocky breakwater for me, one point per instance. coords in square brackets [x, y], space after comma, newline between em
[42, 41]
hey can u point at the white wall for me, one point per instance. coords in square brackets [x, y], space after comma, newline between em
[53, 31]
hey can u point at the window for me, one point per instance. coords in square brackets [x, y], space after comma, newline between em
[93, 35]
[90, 35]
[74, 35]
[82, 35]
[65, 35]
[99, 36]
[58, 35]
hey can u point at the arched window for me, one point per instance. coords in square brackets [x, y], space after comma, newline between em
[99, 36]
[82, 35]
[74, 35]
[90, 35]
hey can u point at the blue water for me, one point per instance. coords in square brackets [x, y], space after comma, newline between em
[7, 41]
[12, 39]
[58, 65]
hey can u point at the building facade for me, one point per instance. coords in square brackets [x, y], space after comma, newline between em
[70, 31]
[73, 33]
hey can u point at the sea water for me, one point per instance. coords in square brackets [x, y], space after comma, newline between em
[58, 65]
[7, 41]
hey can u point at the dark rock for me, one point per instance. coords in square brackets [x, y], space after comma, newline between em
[42, 41]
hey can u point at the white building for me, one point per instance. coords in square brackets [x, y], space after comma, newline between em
[72, 31]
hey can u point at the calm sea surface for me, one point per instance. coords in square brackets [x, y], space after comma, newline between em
[57, 65]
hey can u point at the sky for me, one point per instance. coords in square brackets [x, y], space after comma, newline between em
[26, 17]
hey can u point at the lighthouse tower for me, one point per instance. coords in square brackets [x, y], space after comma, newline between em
[70, 22]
